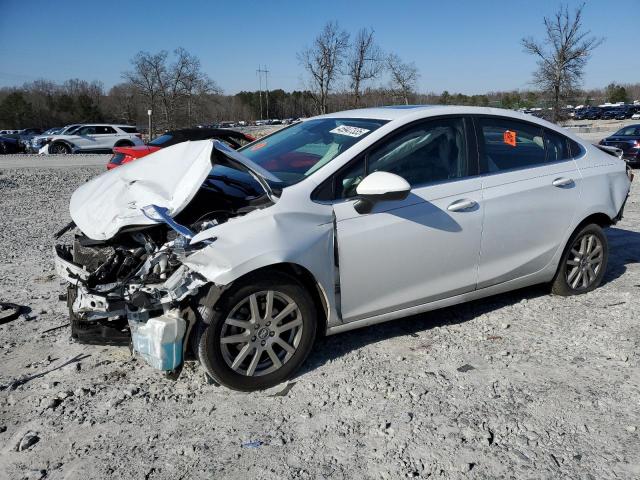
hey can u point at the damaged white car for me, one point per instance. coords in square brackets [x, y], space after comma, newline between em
[334, 223]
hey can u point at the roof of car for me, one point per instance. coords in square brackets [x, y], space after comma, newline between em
[409, 113]
[396, 112]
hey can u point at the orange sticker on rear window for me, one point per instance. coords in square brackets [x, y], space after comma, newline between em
[258, 146]
[509, 137]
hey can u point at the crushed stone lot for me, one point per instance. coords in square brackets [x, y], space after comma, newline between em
[521, 385]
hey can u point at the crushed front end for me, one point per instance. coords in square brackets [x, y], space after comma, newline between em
[130, 289]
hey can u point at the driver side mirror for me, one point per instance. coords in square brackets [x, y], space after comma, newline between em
[380, 186]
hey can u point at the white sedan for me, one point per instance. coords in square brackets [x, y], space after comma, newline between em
[334, 223]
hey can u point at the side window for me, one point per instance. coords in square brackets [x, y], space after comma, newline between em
[86, 131]
[510, 144]
[430, 152]
[557, 146]
[103, 130]
[347, 180]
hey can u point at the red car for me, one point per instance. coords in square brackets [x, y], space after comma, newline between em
[232, 138]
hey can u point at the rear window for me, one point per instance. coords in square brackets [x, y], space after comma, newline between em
[117, 158]
[161, 140]
[129, 129]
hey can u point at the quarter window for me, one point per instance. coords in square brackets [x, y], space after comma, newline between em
[557, 146]
[509, 145]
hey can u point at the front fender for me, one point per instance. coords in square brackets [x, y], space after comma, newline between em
[266, 237]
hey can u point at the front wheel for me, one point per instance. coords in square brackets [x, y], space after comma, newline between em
[583, 262]
[258, 333]
[59, 149]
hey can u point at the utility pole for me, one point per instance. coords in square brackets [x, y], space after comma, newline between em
[260, 71]
[266, 85]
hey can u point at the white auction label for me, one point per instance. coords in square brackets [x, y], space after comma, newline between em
[349, 131]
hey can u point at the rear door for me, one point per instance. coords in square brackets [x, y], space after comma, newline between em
[531, 188]
[106, 137]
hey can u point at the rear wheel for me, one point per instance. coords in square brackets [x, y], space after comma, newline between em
[258, 333]
[583, 263]
[125, 143]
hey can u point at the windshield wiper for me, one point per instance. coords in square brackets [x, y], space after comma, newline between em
[224, 154]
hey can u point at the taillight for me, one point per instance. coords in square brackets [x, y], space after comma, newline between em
[139, 135]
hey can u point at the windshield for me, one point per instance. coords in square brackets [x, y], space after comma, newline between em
[294, 153]
[70, 130]
[161, 140]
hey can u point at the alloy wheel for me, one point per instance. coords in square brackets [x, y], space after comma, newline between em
[584, 261]
[261, 333]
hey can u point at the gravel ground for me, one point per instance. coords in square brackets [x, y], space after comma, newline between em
[522, 385]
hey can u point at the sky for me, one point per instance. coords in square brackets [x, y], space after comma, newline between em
[465, 46]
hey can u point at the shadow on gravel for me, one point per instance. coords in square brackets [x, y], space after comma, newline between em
[336, 346]
[624, 249]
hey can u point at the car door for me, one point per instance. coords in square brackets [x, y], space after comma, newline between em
[105, 137]
[530, 189]
[84, 138]
[420, 249]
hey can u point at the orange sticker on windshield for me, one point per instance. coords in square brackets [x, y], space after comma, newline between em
[509, 137]
[258, 146]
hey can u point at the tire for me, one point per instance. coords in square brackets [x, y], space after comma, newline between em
[123, 144]
[3, 149]
[233, 363]
[59, 148]
[583, 263]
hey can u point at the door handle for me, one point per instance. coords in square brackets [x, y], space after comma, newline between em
[461, 205]
[562, 182]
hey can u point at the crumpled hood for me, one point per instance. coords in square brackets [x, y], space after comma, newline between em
[168, 178]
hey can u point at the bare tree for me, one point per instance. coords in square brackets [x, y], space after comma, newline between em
[146, 76]
[365, 62]
[404, 77]
[323, 61]
[562, 55]
[171, 87]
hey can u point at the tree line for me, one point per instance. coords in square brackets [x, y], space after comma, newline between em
[342, 71]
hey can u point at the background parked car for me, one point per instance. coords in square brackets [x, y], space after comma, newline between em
[95, 137]
[232, 138]
[40, 141]
[628, 140]
[9, 145]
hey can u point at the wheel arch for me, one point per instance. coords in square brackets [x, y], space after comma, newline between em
[308, 280]
[599, 218]
[62, 141]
